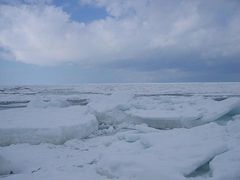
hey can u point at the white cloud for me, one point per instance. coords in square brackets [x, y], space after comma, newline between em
[44, 34]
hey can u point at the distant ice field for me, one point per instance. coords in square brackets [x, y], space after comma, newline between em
[120, 131]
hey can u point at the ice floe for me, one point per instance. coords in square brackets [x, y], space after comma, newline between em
[131, 131]
[169, 113]
[52, 125]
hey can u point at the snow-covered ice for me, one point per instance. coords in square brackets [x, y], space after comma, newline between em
[169, 112]
[50, 125]
[114, 131]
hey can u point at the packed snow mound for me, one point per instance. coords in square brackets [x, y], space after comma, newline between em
[165, 113]
[53, 125]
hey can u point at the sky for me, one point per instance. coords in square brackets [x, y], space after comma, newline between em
[119, 41]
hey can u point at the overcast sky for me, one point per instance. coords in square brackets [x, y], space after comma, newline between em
[90, 41]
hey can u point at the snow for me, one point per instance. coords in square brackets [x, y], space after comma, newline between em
[52, 125]
[170, 112]
[132, 131]
[5, 166]
[187, 114]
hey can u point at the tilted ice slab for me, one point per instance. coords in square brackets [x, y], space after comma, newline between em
[170, 154]
[141, 153]
[163, 115]
[51, 125]
[187, 116]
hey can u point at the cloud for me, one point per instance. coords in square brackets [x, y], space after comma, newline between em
[38, 32]
[17, 2]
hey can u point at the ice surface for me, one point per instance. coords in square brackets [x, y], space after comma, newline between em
[134, 154]
[170, 112]
[115, 131]
[56, 101]
[53, 125]
[186, 114]
[5, 167]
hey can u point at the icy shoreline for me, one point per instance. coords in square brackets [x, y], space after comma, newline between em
[133, 131]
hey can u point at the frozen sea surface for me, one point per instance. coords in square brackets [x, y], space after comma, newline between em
[120, 131]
